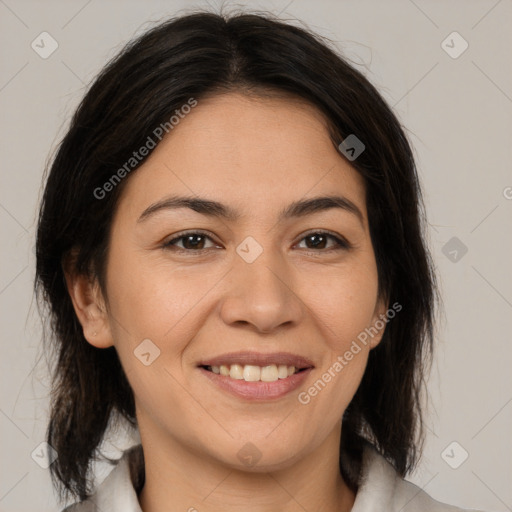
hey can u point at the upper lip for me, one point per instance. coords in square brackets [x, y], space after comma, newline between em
[259, 359]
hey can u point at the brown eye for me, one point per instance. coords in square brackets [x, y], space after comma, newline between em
[318, 240]
[191, 241]
[195, 241]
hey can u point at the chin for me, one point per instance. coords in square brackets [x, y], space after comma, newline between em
[259, 454]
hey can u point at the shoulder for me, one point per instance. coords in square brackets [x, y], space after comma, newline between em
[410, 498]
[116, 492]
[380, 484]
[84, 506]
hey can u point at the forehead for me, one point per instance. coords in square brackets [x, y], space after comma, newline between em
[249, 152]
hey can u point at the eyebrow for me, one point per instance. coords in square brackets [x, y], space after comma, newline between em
[212, 208]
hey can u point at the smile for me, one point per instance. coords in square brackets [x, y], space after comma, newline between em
[252, 373]
[255, 376]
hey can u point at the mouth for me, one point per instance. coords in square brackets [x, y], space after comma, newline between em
[254, 373]
[254, 376]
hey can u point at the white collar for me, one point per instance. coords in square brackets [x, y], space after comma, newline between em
[381, 489]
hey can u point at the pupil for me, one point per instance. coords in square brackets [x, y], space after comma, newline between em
[189, 238]
[317, 236]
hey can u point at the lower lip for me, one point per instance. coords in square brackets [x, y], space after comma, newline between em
[257, 391]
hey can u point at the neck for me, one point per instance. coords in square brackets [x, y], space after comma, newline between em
[177, 479]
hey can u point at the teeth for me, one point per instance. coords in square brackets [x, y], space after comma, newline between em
[252, 373]
[236, 371]
[282, 371]
[269, 373]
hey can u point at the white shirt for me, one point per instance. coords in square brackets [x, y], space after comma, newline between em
[381, 489]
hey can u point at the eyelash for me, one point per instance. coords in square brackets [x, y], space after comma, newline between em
[341, 243]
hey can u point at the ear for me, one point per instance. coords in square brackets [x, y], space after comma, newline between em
[90, 308]
[379, 321]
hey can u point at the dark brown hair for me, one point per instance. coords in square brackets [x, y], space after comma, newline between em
[202, 54]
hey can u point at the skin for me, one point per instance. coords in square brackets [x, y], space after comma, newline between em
[244, 152]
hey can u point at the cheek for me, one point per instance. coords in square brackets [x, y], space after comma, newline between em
[343, 308]
[343, 301]
[153, 318]
[151, 299]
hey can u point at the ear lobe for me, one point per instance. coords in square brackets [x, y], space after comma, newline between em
[90, 309]
[379, 322]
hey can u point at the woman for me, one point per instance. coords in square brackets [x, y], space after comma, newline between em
[230, 245]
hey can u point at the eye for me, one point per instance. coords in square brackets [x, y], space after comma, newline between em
[319, 240]
[192, 241]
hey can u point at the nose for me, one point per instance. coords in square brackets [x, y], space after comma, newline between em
[261, 294]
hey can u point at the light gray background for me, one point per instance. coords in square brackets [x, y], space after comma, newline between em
[458, 113]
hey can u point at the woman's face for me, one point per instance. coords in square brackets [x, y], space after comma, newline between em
[261, 286]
